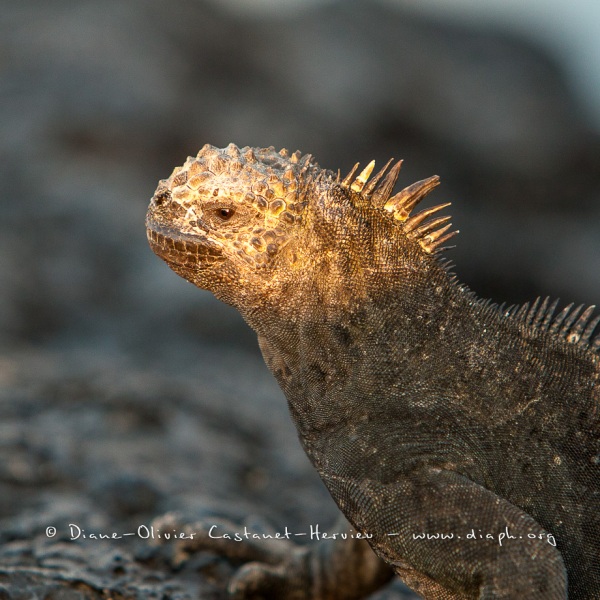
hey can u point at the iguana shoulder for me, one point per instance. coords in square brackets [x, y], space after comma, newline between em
[420, 405]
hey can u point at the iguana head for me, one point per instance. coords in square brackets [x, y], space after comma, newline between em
[251, 223]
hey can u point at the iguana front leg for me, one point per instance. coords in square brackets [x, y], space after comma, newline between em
[281, 570]
[436, 501]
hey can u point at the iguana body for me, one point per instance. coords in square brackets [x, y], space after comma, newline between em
[424, 409]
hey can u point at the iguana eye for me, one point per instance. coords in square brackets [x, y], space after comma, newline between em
[225, 213]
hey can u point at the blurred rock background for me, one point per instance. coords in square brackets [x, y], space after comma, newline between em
[125, 392]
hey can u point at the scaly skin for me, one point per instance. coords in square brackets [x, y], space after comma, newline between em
[422, 408]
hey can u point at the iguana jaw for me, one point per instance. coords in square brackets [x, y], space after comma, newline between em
[181, 249]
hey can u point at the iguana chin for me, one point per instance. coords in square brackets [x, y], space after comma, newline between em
[424, 409]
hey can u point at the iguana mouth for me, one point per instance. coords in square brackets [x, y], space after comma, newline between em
[184, 249]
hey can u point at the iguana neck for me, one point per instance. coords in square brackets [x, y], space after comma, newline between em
[326, 358]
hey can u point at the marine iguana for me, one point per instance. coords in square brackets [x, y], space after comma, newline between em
[462, 436]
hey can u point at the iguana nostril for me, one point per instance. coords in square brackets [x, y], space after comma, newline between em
[161, 197]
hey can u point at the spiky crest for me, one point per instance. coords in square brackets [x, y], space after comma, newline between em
[571, 325]
[371, 185]
[568, 325]
[384, 190]
[429, 234]
[346, 181]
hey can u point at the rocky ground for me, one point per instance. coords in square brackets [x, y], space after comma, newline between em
[125, 393]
